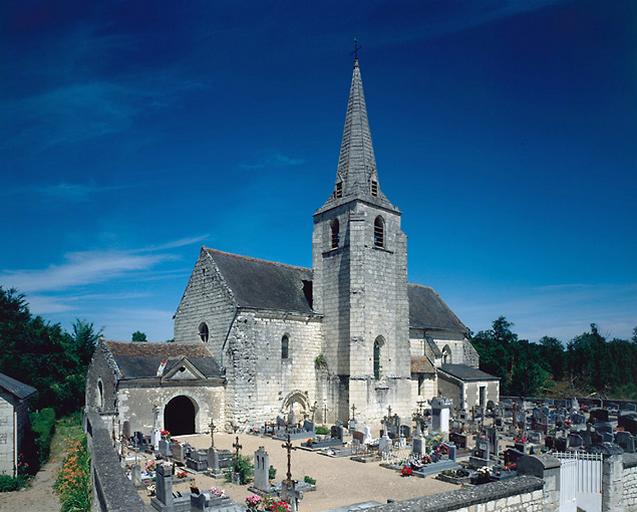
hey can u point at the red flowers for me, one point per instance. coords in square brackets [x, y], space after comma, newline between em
[406, 471]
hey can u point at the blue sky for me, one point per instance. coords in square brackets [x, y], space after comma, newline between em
[505, 131]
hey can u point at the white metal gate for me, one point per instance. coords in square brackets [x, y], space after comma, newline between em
[580, 481]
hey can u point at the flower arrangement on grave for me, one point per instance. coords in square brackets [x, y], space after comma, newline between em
[279, 506]
[150, 465]
[483, 475]
[406, 471]
[511, 466]
[181, 474]
[426, 459]
[520, 439]
[220, 493]
[253, 501]
[164, 434]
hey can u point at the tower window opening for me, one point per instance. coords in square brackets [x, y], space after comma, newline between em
[335, 231]
[203, 332]
[378, 343]
[339, 189]
[379, 232]
[374, 188]
[285, 347]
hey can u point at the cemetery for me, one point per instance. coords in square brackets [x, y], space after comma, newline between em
[288, 464]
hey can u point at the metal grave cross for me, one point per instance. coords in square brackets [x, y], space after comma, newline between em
[213, 427]
[236, 447]
[288, 446]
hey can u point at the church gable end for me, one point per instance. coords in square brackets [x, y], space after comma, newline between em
[207, 307]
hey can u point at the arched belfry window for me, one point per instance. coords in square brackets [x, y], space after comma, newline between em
[203, 332]
[100, 394]
[446, 355]
[379, 232]
[285, 347]
[378, 345]
[335, 233]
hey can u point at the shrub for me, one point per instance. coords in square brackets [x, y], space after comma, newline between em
[320, 363]
[271, 472]
[243, 467]
[322, 430]
[309, 480]
[43, 427]
[8, 483]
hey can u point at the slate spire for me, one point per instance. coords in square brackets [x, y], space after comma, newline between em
[356, 175]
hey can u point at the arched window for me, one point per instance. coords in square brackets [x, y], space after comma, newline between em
[377, 351]
[335, 228]
[100, 394]
[446, 355]
[379, 232]
[203, 332]
[285, 347]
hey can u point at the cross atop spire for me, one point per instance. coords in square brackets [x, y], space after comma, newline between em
[356, 175]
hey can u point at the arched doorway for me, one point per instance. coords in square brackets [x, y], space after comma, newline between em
[179, 416]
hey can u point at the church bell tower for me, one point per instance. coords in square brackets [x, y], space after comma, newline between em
[360, 283]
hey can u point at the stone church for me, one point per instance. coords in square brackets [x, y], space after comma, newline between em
[349, 336]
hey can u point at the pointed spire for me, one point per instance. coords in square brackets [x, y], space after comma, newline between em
[356, 175]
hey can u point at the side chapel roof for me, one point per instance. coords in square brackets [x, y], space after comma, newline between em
[137, 360]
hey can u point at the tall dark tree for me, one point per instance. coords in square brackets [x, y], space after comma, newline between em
[139, 336]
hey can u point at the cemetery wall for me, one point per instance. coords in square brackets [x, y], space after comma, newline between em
[136, 404]
[207, 299]
[260, 384]
[519, 494]
[112, 490]
[6, 437]
[629, 480]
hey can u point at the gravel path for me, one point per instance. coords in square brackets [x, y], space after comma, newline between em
[39, 496]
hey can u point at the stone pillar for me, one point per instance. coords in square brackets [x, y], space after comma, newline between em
[547, 468]
[612, 483]
[261, 469]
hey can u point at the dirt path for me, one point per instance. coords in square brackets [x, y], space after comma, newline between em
[39, 496]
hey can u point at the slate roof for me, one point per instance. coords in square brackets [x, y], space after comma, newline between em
[18, 389]
[466, 373]
[422, 364]
[137, 360]
[264, 284]
[276, 286]
[428, 311]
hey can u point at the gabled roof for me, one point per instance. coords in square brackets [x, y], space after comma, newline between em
[18, 389]
[137, 360]
[466, 373]
[428, 311]
[264, 284]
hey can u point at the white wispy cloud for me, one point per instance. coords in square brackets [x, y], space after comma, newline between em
[63, 191]
[90, 267]
[272, 160]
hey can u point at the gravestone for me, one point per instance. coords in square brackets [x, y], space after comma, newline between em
[291, 418]
[626, 440]
[261, 470]
[367, 433]
[352, 425]
[214, 467]
[452, 452]
[578, 418]
[492, 436]
[628, 422]
[164, 448]
[459, 439]
[164, 486]
[440, 414]
[384, 445]
[561, 443]
[405, 431]
[575, 441]
[598, 414]
[126, 430]
[629, 407]
[156, 436]
[136, 476]
[197, 460]
[417, 446]
[608, 437]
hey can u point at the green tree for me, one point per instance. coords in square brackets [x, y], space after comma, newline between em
[139, 336]
[85, 339]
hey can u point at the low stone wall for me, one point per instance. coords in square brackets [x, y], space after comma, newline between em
[630, 482]
[112, 490]
[523, 493]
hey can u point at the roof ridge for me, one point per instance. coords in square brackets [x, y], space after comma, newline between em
[424, 286]
[258, 260]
